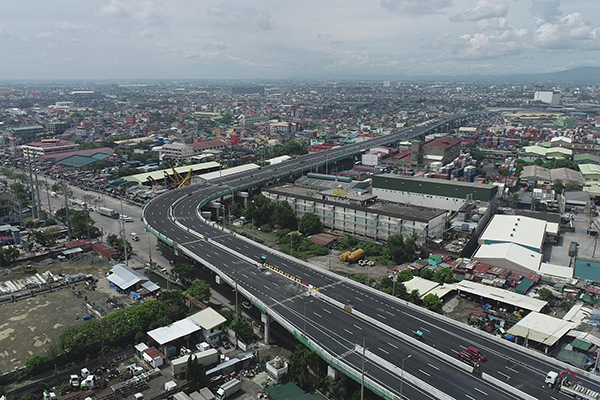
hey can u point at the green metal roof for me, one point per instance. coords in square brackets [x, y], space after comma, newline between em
[581, 344]
[79, 161]
[524, 286]
[586, 158]
[438, 187]
[587, 269]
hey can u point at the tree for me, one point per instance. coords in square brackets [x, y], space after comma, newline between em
[259, 210]
[310, 224]
[284, 216]
[82, 225]
[443, 275]
[195, 374]
[8, 255]
[116, 242]
[405, 275]
[545, 294]
[426, 273]
[299, 363]
[558, 186]
[173, 303]
[432, 302]
[185, 272]
[44, 239]
[242, 329]
[414, 295]
[200, 290]
[401, 250]
[236, 210]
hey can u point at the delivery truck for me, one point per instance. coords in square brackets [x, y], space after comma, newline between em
[207, 358]
[560, 382]
[108, 212]
[228, 388]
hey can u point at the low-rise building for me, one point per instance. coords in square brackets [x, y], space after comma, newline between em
[177, 151]
[591, 174]
[431, 193]
[48, 147]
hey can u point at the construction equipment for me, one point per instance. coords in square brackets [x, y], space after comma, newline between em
[572, 389]
[152, 181]
[23, 268]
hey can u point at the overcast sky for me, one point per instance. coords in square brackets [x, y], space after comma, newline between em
[81, 39]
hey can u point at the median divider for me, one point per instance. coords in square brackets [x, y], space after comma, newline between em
[406, 376]
[505, 386]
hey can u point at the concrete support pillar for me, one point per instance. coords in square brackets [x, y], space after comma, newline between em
[267, 321]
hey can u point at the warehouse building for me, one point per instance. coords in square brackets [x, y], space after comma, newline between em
[432, 193]
[356, 213]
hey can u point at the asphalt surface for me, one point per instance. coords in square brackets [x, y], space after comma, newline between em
[335, 330]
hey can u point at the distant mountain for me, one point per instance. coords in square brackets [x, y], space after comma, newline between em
[582, 75]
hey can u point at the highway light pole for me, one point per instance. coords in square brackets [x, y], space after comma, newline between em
[362, 376]
[237, 311]
[402, 373]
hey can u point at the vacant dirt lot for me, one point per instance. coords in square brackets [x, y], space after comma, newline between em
[29, 326]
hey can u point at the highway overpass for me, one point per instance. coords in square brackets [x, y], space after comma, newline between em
[319, 316]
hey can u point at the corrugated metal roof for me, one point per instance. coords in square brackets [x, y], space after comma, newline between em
[124, 277]
[207, 318]
[174, 331]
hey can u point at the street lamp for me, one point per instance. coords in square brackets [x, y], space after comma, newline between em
[402, 373]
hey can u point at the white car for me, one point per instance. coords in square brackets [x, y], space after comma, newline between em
[126, 218]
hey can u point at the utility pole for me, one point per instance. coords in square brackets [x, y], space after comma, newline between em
[33, 201]
[402, 373]
[362, 376]
[237, 311]
[69, 232]
[48, 194]
[149, 250]
[123, 235]
[37, 188]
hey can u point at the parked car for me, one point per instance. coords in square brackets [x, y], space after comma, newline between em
[247, 305]
[466, 358]
[475, 353]
[226, 345]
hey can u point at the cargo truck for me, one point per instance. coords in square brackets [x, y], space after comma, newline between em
[228, 388]
[566, 387]
[206, 358]
[108, 212]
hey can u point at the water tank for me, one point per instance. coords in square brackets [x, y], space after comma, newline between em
[277, 362]
[475, 218]
[356, 255]
[344, 256]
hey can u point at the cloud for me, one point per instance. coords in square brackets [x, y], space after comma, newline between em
[218, 46]
[571, 32]
[242, 17]
[328, 38]
[495, 39]
[145, 33]
[45, 35]
[416, 7]
[4, 32]
[147, 12]
[544, 10]
[66, 26]
[483, 9]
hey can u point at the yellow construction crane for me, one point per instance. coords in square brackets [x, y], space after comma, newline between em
[152, 181]
[187, 180]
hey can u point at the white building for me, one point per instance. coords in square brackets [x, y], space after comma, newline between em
[551, 97]
[177, 151]
[529, 233]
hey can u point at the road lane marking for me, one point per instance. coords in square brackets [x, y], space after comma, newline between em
[433, 366]
[426, 330]
[504, 375]
[317, 314]
[472, 398]
[385, 351]
[391, 313]
[380, 316]
[425, 373]
[327, 311]
[358, 327]
[245, 276]
[480, 391]
[266, 287]
[348, 331]
[515, 371]
[254, 272]
[393, 345]
[274, 283]
[358, 298]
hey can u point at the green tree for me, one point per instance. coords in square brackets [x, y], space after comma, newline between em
[414, 295]
[200, 290]
[8, 255]
[45, 238]
[236, 210]
[310, 224]
[299, 363]
[195, 374]
[173, 303]
[82, 225]
[284, 216]
[545, 294]
[259, 210]
[405, 275]
[402, 250]
[185, 272]
[426, 273]
[35, 364]
[348, 243]
[116, 242]
[443, 275]
[432, 302]
[242, 329]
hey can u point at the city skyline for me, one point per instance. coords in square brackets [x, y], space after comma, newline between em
[183, 39]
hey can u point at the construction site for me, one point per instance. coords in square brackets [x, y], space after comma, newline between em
[40, 301]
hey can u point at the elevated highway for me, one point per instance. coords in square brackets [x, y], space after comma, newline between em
[318, 314]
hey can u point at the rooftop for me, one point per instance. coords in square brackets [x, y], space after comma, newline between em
[445, 142]
[160, 174]
[541, 328]
[124, 277]
[524, 231]
[501, 295]
[174, 331]
[207, 319]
